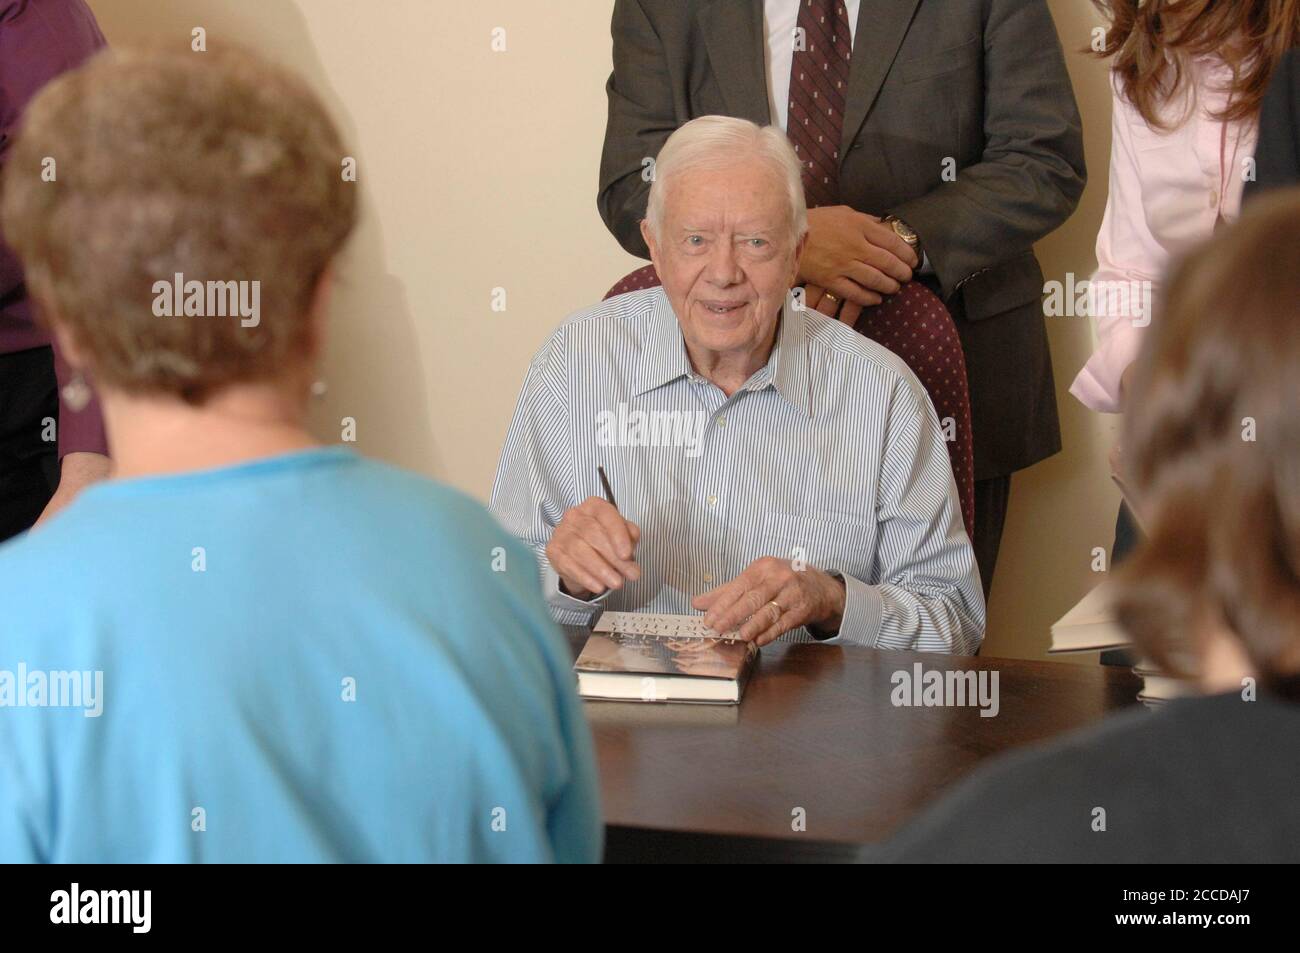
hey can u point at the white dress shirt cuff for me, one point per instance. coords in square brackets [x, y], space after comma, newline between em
[574, 611]
[864, 609]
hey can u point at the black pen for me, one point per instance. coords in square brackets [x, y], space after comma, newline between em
[604, 482]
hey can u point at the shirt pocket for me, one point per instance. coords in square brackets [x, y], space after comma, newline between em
[827, 541]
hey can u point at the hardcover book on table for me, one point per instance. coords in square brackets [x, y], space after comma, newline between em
[663, 663]
[1090, 625]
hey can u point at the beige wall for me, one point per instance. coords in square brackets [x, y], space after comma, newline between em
[479, 171]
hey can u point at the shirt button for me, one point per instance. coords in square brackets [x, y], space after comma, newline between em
[713, 500]
[722, 421]
[708, 577]
[1214, 199]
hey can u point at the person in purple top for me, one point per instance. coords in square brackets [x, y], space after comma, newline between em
[39, 39]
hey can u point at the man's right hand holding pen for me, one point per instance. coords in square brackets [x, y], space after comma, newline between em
[593, 549]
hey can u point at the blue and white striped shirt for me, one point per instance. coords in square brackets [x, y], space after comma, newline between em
[830, 453]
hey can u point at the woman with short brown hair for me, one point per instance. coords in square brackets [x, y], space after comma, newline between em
[308, 655]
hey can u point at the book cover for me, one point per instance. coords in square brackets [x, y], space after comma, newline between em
[630, 653]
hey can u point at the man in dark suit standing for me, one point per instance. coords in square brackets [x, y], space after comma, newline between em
[941, 140]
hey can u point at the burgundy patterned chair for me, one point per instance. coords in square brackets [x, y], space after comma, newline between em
[916, 326]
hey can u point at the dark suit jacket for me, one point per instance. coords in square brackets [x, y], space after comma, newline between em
[980, 81]
[1277, 155]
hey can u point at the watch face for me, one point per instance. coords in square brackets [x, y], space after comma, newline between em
[904, 232]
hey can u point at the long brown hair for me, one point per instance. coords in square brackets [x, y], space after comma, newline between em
[1251, 36]
[1212, 448]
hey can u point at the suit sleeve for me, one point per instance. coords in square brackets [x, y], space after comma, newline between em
[1032, 170]
[641, 118]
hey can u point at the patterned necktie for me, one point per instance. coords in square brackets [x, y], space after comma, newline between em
[819, 79]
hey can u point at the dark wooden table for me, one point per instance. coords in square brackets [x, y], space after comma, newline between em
[817, 730]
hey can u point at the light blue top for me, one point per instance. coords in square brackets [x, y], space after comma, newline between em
[311, 657]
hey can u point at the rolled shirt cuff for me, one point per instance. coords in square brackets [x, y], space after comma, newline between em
[1097, 385]
[1090, 392]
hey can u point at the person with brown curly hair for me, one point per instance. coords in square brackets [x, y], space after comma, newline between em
[1213, 593]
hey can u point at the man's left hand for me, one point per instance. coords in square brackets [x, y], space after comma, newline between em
[771, 598]
[816, 299]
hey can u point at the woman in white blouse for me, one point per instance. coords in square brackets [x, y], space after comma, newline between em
[1188, 77]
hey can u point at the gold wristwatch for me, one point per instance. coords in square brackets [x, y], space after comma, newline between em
[905, 232]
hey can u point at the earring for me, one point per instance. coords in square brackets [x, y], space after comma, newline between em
[318, 388]
[76, 393]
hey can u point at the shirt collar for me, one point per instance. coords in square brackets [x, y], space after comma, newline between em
[787, 368]
[665, 360]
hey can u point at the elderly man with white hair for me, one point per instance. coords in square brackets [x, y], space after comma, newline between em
[772, 468]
